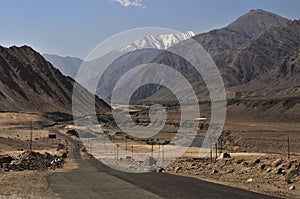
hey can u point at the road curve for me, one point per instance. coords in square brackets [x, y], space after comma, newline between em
[92, 179]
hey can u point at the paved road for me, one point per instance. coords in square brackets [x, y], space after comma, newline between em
[94, 180]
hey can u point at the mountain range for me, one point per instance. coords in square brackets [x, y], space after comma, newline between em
[258, 56]
[245, 51]
[29, 83]
[70, 65]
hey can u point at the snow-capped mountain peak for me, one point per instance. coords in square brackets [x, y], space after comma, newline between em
[160, 42]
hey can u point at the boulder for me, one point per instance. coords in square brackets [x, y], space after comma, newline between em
[277, 162]
[152, 168]
[223, 156]
[256, 161]
[292, 187]
[263, 166]
[177, 169]
[214, 171]
[250, 180]
[160, 169]
[5, 159]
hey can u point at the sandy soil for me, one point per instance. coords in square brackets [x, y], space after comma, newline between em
[14, 140]
[254, 173]
[30, 184]
[251, 145]
[27, 184]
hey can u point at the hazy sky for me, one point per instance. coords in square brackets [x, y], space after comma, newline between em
[70, 27]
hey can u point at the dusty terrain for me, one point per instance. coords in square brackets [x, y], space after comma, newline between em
[14, 141]
[269, 174]
[251, 166]
[30, 184]
[255, 144]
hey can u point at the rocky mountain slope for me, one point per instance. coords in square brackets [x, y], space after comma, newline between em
[28, 83]
[244, 50]
[240, 31]
[269, 64]
[256, 55]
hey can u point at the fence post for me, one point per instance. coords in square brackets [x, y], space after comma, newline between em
[211, 149]
[117, 151]
[289, 149]
[221, 147]
[216, 146]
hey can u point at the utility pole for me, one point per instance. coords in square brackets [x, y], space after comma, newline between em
[216, 146]
[117, 151]
[151, 142]
[126, 143]
[221, 147]
[30, 140]
[158, 153]
[289, 147]
[163, 154]
[211, 149]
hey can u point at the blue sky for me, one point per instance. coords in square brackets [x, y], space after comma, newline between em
[70, 27]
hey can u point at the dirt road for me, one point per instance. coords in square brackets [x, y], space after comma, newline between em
[94, 180]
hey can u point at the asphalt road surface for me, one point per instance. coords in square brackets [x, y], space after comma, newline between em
[92, 179]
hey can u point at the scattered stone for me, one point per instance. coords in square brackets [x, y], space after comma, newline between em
[257, 161]
[30, 160]
[64, 155]
[5, 159]
[250, 180]
[214, 171]
[6, 167]
[245, 164]
[292, 187]
[277, 162]
[177, 169]
[152, 168]
[223, 156]
[280, 171]
[161, 169]
[128, 157]
[262, 167]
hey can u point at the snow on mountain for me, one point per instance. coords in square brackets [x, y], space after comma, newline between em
[160, 42]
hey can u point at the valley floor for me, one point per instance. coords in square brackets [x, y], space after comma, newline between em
[258, 161]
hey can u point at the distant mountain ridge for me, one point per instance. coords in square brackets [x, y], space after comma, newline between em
[70, 65]
[67, 65]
